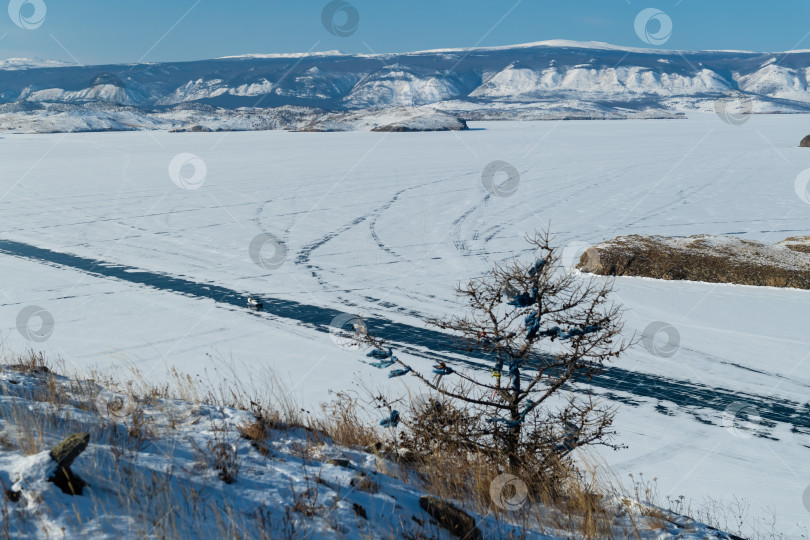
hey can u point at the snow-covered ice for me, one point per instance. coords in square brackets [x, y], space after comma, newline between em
[382, 225]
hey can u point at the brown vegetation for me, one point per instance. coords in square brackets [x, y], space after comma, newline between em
[442, 464]
[704, 258]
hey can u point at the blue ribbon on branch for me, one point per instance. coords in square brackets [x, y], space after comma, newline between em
[525, 299]
[380, 354]
[487, 342]
[392, 420]
[537, 266]
[399, 372]
[532, 324]
[560, 333]
[382, 364]
[442, 370]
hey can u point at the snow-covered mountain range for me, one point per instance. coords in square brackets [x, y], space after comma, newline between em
[548, 79]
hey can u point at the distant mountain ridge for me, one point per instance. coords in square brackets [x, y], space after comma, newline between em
[537, 80]
[30, 63]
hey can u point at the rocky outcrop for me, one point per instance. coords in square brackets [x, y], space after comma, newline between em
[340, 462]
[69, 449]
[714, 259]
[64, 454]
[450, 517]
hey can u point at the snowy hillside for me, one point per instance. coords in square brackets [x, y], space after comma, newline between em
[538, 80]
[161, 467]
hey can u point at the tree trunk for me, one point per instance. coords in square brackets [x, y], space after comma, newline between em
[513, 438]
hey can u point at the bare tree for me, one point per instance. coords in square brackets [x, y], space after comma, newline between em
[540, 329]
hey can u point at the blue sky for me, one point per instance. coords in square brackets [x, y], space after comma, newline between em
[106, 31]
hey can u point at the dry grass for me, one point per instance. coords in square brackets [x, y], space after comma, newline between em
[341, 421]
[224, 454]
[35, 410]
[256, 430]
[306, 502]
[559, 496]
[704, 258]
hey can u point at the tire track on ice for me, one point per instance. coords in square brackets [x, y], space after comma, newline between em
[705, 403]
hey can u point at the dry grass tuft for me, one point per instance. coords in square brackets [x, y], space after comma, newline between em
[558, 495]
[342, 423]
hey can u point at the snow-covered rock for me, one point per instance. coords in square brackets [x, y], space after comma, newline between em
[49, 117]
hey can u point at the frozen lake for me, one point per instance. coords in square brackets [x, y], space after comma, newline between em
[137, 272]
